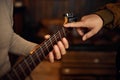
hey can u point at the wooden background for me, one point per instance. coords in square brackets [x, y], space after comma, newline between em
[51, 9]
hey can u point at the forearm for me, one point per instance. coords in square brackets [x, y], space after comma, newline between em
[20, 46]
[110, 14]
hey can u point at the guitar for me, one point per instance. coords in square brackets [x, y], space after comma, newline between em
[25, 67]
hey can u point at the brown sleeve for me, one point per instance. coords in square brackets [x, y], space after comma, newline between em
[110, 14]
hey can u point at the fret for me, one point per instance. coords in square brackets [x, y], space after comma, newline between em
[18, 77]
[41, 49]
[46, 46]
[63, 29]
[59, 34]
[25, 68]
[32, 61]
[27, 65]
[55, 37]
[21, 68]
[63, 32]
[18, 72]
[38, 56]
[35, 57]
[51, 42]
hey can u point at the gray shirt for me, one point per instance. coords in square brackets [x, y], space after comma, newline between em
[9, 40]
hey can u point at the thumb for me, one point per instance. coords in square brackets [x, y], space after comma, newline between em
[74, 24]
[88, 35]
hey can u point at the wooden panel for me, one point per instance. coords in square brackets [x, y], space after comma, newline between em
[90, 57]
[88, 65]
[50, 9]
[87, 71]
[87, 78]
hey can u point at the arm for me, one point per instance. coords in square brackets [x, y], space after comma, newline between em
[23, 47]
[20, 46]
[108, 16]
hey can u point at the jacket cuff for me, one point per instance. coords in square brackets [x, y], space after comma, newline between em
[106, 16]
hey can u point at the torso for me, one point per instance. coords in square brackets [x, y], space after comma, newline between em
[6, 32]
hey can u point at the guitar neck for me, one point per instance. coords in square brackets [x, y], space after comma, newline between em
[25, 67]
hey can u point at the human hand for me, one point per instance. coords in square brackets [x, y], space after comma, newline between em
[58, 50]
[92, 22]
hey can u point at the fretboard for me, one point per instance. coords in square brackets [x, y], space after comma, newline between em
[25, 67]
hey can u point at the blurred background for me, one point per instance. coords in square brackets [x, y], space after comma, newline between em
[93, 59]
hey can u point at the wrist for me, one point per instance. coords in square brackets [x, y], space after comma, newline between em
[105, 15]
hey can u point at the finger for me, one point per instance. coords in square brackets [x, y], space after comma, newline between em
[61, 47]
[75, 24]
[88, 35]
[57, 52]
[47, 36]
[80, 32]
[65, 42]
[51, 57]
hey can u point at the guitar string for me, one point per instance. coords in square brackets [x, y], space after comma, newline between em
[48, 42]
[53, 38]
[44, 47]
